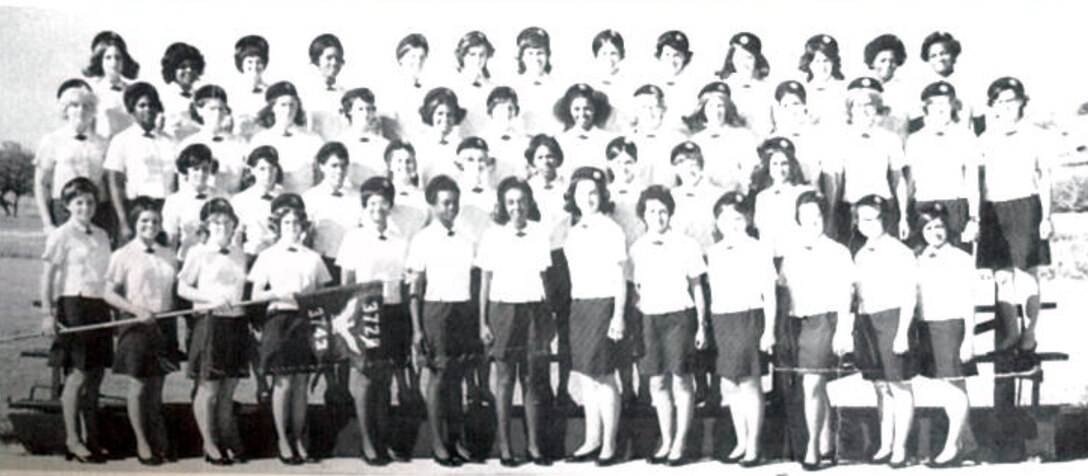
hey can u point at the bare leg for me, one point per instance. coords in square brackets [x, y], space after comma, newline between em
[731, 393]
[504, 374]
[361, 392]
[436, 414]
[227, 428]
[204, 403]
[1027, 285]
[591, 403]
[954, 393]
[684, 396]
[753, 413]
[281, 411]
[532, 382]
[662, 400]
[69, 400]
[155, 418]
[903, 411]
[298, 412]
[815, 413]
[608, 397]
[885, 405]
[136, 412]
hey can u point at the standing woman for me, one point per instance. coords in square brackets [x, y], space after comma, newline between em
[775, 188]
[139, 283]
[363, 137]
[182, 68]
[872, 164]
[945, 277]
[248, 91]
[667, 267]
[213, 277]
[321, 89]
[942, 162]
[941, 51]
[608, 75]
[280, 272]
[110, 70]
[745, 70]
[654, 138]
[886, 285]
[73, 280]
[412, 212]
[283, 122]
[436, 144]
[505, 133]
[597, 255]
[673, 54]
[820, 313]
[70, 151]
[884, 56]
[472, 81]
[514, 318]
[254, 204]
[584, 113]
[1014, 223]
[792, 121]
[742, 280]
[535, 82]
[404, 88]
[721, 133]
[822, 66]
[210, 112]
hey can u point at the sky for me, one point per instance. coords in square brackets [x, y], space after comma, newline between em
[46, 42]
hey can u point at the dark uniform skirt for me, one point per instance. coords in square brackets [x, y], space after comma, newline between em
[736, 335]
[220, 348]
[520, 330]
[813, 341]
[451, 330]
[87, 351]
[143, 351]
[286, 347]
[592, 352]
[874, 335]
[1009, 234]
[669, 343]
[940, 342]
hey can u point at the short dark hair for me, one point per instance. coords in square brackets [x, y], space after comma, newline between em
[826, 45]
[196, 155]
[331, 149]
[250, 45]
[612, 37]
[655, 192]
[676, 40]
[268, 154]
[139, 205]
[501, 216]
[202, 95]
[395, 145]
[266, 117]
[736, 201]
[600, 181]
[441, 183]
[76, 187]
[413, 40]
[377, 186]
[135, 91]
[886, 42]
[176, 54]
[601, 107]
[218, 206]
[437, 97]
[810, 196]
[954, 47]
[323, 41]
[346, 101]
[470, 40]
[544, 140]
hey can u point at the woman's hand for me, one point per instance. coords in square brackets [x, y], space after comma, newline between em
[49, 325]
[900, 345]
[485, 334]
[766, 342]
[700, 338]
[616, 329]
[143, 315]
[842, 343]
[967, 351]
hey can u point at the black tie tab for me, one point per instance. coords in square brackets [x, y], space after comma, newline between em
[715, 135]
[537, 83]
[476, 84]
[217, 139]
[651, 136]
[940, 133]
[116, 87]
[449, 233]
[864, 135]
[149, 250]
[81, 137]
[257, 90]
[657, 242]
[201, 196]
[444, 142]
[292, 249]
[364, 139]
[267, 196]
[477, 190]
[186, 94]
[337, 193]
[287, 133]
[224, 251]
[932, 254]
[417, 85]
[382, 237]
[583, 136]
[506, 137]
[148, 135]
[88, 231]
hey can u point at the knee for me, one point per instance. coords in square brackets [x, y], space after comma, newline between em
[1006, 291]
[682, 384]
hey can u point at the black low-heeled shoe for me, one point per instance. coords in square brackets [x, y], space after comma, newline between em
[811, 466]
[540, 461]
[466, 458]
[831, 457]
[898, 464]
[675, 463]
[731, 459]
[293, 460]
[220, 461]
[510, 462]
[882, 460]
[657, 459]
[376, 461]
[751, 463]
[152, 461]
[613, 460]
[450, 461]
[89, 459]
[584, 457]
[394, 455]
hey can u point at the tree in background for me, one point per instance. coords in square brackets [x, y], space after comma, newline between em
[16, 175]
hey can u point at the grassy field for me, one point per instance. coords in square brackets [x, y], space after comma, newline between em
[1062, 330]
